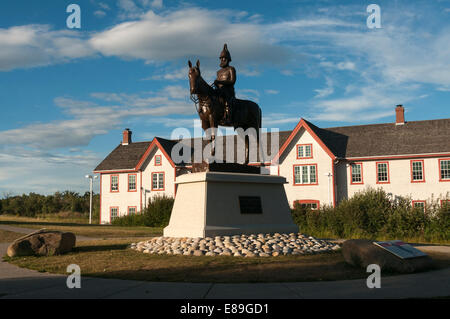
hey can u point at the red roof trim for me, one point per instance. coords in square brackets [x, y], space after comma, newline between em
[393, 157]
[149, 149]
[116, 171]
[303, 124]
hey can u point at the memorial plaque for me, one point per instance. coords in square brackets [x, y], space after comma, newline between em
[400, 249]
[250, 204]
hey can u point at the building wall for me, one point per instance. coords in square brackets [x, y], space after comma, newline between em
[400, 183]
[399, 179]
[121, 199]
[323, 161]
[139, 199]
[149, 167]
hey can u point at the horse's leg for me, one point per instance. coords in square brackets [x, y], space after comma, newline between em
[247, 151]
[213, 135]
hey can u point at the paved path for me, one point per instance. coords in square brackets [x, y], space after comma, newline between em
[23, 283]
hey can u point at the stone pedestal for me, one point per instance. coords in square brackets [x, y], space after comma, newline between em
[215, 204]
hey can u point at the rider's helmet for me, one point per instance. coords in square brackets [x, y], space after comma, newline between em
[225, 53]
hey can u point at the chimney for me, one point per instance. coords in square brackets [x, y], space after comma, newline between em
[126, 137]
[399, 115]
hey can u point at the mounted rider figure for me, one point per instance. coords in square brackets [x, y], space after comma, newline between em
[226, 78]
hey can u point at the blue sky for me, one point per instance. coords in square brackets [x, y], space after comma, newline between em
[66, 95]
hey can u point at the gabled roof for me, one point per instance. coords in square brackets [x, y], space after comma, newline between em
[389, 139]
[418, 137]
[315, 132]
[124, 157]
[375, 140]
[133, 155]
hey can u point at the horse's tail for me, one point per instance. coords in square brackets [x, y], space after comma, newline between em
[259, 118]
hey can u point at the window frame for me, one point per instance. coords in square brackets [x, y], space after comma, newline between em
[308, 201]
[305, 157]
[160, 160]
[440, 160]
[351, 174]
[388, 173]
[111, 183]
[164, 181]
[309, 175]
[412, 171]
[135, 183]
[420, 201]
[445, 201]
[110, 213]
[128, 210]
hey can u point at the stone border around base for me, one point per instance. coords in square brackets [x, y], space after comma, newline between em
[260, 245]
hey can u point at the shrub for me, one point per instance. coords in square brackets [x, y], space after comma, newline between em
[157, 214]
[374, 214]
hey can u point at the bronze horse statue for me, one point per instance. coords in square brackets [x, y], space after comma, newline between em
[211, 109]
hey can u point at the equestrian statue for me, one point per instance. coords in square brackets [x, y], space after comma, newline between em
[217, 105]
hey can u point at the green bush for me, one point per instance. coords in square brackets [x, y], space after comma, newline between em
[374, 214]
[157, 214]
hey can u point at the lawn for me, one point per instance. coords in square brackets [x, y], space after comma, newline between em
[81, 229]
[113, 259]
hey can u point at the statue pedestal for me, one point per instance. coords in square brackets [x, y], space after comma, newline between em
[212, 204]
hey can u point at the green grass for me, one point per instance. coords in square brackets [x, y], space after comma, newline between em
[113, 259]
[81, 228]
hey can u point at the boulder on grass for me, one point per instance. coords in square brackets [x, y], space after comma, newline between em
[361, 253]
[42, 243]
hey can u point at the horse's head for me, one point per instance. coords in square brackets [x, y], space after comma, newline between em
[194, 75]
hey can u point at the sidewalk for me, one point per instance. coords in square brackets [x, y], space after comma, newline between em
[23, 283]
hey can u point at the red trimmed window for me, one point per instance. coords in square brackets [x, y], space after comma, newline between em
[132, 210]
[132, 182]
[305, 174]
[157, 160]
[445, 203]
[304, 151]
[114, 183]
[356, 172]
[158, 181]
[420, 204]
[444, 170]
[417, 171]
[113, 213]
[308, 204]
[382, 172]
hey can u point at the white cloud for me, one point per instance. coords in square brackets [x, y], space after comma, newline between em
[248, 94]
[157, 4]
[272, 120]
[347, 65]
[38, 45]
[44, 172]
[99, 13]
[272, 92]
[135, 9]
[90, 119]
[184, 33]
[104, 6]
[365, 104]
[328, 90]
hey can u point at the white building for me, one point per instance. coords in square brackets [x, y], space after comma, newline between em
[321, 166]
